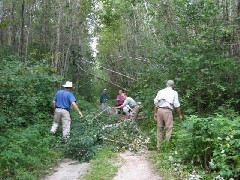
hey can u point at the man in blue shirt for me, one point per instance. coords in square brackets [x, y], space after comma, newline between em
[104, 99]
[62, 101]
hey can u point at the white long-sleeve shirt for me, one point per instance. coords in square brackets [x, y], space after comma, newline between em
[167, 98]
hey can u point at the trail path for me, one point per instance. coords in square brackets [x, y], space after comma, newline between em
[132, 167]
[136, 167]
[69, 170]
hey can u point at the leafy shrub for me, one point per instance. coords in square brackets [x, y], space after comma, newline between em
[101, 128]
[85, 132]
[27, 152]
[25, 92]
[213, 143]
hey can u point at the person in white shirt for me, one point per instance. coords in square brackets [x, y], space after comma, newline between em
[165, 102]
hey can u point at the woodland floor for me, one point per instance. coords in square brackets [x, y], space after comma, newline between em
[132, 167]
[136, 167]
[69, 170]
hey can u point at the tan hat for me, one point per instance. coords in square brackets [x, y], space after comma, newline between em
[68, 84]
[105, 89]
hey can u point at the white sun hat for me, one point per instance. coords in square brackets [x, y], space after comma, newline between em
[68, 84]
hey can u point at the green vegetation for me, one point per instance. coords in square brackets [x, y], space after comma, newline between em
[28, 153]
[25, 92]
[141, 44]
[103, 165]
[206, 147]
[27, 150]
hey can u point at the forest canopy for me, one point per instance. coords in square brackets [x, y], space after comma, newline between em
[135, 45]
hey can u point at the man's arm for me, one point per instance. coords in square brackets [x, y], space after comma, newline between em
[119, 107]
[77, 109]
[155, 106]
[155, 113]
[179, 112]
[124, 104]
[54, 105]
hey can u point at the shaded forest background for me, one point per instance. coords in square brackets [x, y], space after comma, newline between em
[140, 45]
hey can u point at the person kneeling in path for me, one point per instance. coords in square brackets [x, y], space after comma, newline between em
[61, 103]
[164, 102]
[130, 107]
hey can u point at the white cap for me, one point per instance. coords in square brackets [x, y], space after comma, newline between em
[68, 84]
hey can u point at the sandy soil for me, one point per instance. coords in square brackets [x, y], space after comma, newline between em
[132, 167]
[136, 167]
[69, 170]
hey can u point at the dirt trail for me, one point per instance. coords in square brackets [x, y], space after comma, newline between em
[69, 170]
[132, 167]
[136, 167]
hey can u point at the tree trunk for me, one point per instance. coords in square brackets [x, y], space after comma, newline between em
[28, 32]
[12, 30]
[238, 12]
[1, 10]
[1, 31]
[58, 32]
[46, 24]
[22, 29]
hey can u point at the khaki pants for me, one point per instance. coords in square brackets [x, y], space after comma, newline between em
[131, 112]
[64, 115]
[134, 115]
[164, 118]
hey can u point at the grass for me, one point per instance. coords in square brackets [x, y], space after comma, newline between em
[170, 165]
[160, 159]
[102, 165]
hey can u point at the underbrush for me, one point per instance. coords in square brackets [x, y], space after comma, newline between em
[27, 153]
[99, 136]
[102, 128]
[27, 150]
[26, 92]
[85, 133]
[201, 148]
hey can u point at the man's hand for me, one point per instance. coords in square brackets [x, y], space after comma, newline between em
[119, 107]
[179, 113]
[77, 109]
[80, 113]
[155, 116]
[180, 117]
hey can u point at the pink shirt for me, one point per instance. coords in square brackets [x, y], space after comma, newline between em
[120, 102]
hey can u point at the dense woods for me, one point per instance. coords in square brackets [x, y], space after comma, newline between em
[139, 45]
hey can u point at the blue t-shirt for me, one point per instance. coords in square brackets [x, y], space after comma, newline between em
[64, 99]
[103, 98]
